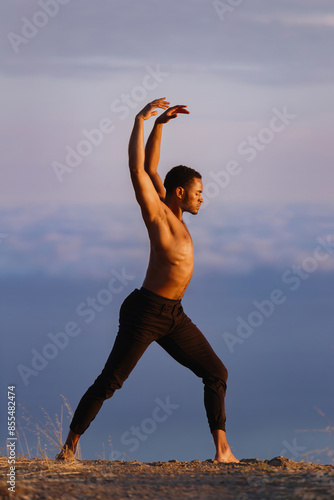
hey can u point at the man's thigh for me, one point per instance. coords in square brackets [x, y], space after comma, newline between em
[187, 345]
[140, 324]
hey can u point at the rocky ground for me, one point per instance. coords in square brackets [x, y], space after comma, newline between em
[276, 479]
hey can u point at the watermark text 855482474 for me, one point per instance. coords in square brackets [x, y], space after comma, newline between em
[11, 440]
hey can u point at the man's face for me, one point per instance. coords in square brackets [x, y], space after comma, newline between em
[193, 197]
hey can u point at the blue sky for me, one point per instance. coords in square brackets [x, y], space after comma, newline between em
[257, 79]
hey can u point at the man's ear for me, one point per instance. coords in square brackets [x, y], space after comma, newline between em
[179, 191]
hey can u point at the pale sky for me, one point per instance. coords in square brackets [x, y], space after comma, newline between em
[234, 74]
[258, 81]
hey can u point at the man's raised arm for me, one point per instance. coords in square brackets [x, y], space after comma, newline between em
[145, 192]
[152, 150]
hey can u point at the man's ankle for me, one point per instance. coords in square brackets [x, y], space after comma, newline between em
[66, 454]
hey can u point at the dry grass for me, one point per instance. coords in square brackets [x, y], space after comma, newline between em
[47, 433]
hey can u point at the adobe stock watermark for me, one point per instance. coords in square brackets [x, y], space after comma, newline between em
[31, 27]
[249, 148]
[292, 449]
[226, 7]
[121, 107]
[87, 309]
[137, 434]
[293, 279]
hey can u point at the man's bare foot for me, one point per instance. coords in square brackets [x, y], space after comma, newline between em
[65, 455]
[223, 450]
[227, 457]
[67, 452]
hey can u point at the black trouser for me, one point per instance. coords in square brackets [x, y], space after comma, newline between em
[145, 317]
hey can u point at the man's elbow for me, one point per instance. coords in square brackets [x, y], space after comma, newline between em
[136, 175]
[134, 165]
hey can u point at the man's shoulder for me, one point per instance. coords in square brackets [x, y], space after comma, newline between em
[166, 218]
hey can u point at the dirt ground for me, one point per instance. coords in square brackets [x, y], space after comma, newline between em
[276, 479]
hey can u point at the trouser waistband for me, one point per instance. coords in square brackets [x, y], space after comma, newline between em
[159, 298]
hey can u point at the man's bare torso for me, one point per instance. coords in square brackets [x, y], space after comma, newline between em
[172, 255]
[171, 258]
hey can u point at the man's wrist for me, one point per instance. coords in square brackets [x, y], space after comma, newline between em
[139, 118]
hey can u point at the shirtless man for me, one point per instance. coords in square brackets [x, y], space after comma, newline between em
[155, 313]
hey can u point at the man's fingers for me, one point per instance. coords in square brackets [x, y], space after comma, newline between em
[180, 108]
[161, 103]
[172, 111]
[160, 99]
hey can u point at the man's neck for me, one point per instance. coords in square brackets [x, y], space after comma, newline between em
[174, 207]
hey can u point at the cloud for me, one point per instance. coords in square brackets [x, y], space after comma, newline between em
[89, 242]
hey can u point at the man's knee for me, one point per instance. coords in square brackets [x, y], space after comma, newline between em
[218, 376]
[220, 372]
[104, 387]
[224, 374]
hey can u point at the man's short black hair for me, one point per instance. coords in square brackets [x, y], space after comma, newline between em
[180, 176]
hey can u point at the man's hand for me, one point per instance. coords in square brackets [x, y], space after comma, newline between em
[148, 110]
[172, 112]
